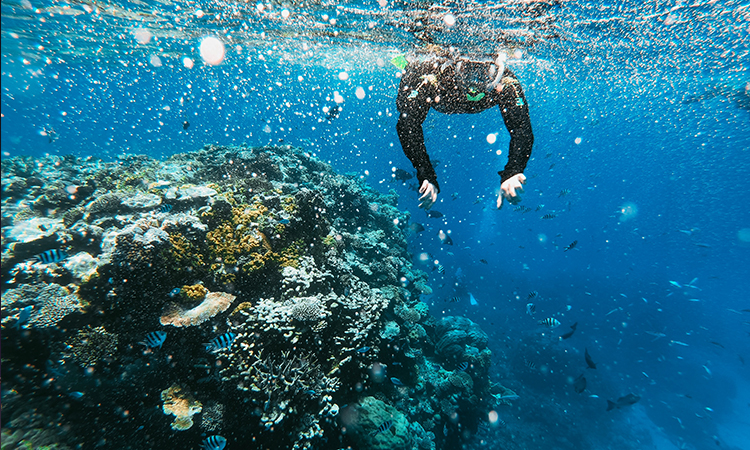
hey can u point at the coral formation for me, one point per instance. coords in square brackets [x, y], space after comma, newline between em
[212, 304]
[91, 346]
[182, 405]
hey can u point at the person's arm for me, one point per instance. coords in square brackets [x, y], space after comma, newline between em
[413, 106]
[515, 112]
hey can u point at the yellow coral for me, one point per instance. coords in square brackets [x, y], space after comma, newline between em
[180, 404]
[244, 306]
[195, 292]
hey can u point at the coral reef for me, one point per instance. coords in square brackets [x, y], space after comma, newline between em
[302, 266]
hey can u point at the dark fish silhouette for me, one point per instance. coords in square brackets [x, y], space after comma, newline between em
[570, 333]
[447, 240]
[402, 175]
[571, 246]
[621, 402]
[415, 227]
[185, 125]
[434, 214]
[590, 362]
[532, 294]
[333, 112]
[483, 261]
[580, 384]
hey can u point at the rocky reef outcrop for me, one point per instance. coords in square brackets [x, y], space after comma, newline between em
[252, 292]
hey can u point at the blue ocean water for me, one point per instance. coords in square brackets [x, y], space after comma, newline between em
[637, 110]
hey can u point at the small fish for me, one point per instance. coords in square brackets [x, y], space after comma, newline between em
[712, 342]
[674, 283]
[708, 371]
[154, 339]
[621, 402]
[532, 294]
[214, 442]
[364, 349]
[175, 292]
[454, 299]
[185, 125]
[51, 256]
[402, 175]
[463, 366]
[569, 333]
[539, 207]
[548, 216]
[472, 300]
[563, 193]
[593, 396]
[483, 261]
[679, 343]
[432, 214]
[284, 221]
[333, 111]
[589, 362]
[415, 227]
[530, 364]
[580, 384]
[220, 342]
[23, 316]
[530, 309]
[397, 382]
[444, 238]
[550, 322]
[440, 269]
[75, 394]
[165, 208]
[571, 246]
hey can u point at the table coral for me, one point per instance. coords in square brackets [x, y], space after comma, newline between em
[182, 405]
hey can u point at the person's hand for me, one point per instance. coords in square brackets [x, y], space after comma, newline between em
[429, 195]
[510, 190]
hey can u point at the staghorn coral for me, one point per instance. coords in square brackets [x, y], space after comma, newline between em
[212, 417]
[91, 346]
[214, 303]
[182, 405]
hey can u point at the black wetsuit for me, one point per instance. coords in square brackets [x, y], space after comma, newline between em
[424, 86]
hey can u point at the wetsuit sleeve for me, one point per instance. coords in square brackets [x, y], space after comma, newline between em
[515, 112]
[413, 105]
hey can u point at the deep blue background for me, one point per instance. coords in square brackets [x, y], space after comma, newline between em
[684, 166]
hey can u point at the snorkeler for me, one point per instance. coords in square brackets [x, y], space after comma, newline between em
[462, 85]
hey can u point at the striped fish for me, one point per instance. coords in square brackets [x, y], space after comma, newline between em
[548, 216]
[220, 342]
[532, 294]
[454, 299]
[165, 208]
[530, 364]
[550, 322]
[563, 193]
[214, 442]
[463, 366]
[385, 426]
[530, 309]
[441, 269]
[51, 256]
[154, 339]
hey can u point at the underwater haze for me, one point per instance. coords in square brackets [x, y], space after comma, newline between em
[211, 236]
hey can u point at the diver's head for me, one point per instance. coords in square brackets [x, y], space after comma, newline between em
[479, 76]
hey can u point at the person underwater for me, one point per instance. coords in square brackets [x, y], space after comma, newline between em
[455, 84]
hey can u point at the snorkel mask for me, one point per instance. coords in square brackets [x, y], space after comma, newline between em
[476, 78]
